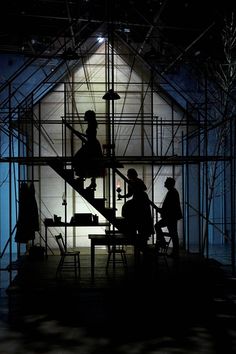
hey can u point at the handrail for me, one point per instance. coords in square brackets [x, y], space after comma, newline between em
[78, 134]
[82, 137]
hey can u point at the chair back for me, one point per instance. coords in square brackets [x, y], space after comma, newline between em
[164, 248]
[61, 243]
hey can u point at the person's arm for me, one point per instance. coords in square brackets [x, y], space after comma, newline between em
[80, 135]
[128, 194]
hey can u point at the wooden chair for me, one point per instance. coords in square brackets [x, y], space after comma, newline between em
[113, 251]
[160, 251]
[70, 259]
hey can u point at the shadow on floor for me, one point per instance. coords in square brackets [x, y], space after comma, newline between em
[182, 308]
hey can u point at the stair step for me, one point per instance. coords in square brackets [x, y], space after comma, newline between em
[110, 212]
[87, 194]
[99, 203]
[68, 173]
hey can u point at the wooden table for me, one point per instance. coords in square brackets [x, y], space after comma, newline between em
[67, 224]
[107, 240]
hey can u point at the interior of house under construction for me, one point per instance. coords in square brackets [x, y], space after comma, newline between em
[160, 77]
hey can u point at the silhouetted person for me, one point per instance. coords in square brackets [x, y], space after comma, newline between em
[137, 211]
[87, 160]
[170, 214]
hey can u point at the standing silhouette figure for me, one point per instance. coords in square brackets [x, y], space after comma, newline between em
[87, 161]
[170, 214]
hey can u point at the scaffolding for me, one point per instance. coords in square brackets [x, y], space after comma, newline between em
[155, 126]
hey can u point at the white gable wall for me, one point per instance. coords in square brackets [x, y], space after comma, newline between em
[139, 130]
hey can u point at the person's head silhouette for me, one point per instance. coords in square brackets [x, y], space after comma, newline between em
[132, 173]
[169, 183]
[89, 115]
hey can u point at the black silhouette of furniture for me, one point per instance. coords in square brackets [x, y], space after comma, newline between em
[70, 259]
[52, 223]
[117, 239]
[116, 253]
[113, 251]
[161, 251]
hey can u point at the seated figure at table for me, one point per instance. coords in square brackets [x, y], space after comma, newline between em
[137, 211]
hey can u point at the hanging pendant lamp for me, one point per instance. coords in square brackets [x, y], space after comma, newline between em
[111, 95]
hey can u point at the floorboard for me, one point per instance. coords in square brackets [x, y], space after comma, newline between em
[187, 307]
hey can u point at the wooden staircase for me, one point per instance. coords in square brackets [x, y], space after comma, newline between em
[98, 203]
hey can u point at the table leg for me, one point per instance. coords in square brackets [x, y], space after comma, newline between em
[46, 241]
[92, 258]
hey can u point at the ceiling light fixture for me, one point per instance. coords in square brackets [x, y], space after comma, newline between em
[100, 39]
[111, 95]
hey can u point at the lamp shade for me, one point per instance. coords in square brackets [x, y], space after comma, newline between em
[111, 95]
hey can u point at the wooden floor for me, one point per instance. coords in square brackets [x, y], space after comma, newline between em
[187, 307]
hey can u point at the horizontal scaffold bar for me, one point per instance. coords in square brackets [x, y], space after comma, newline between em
[119, 160]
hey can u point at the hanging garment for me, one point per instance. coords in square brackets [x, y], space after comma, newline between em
[28, 218]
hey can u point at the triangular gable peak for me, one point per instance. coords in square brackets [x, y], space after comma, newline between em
[142, 105]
